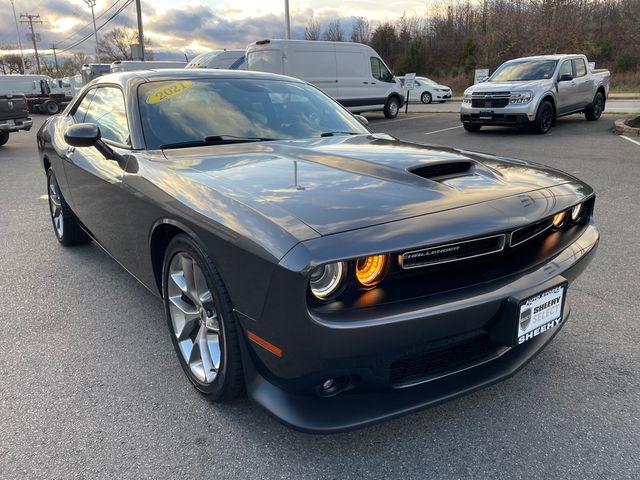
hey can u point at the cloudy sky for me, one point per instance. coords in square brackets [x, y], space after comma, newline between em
[191, 26]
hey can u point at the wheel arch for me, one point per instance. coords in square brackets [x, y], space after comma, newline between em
[603, 92]
[162, 232]
[46, 163]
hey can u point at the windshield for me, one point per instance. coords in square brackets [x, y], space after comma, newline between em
[192, 111]
[523, 71]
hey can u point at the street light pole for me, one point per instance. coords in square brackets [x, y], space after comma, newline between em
[91, 4]
[287, 24]
[15, 18]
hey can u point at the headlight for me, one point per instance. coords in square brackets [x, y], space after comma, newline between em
[371, 270]
[520, 97]
[325, 281]
[577, 212]
[559, 219]
[466, 98]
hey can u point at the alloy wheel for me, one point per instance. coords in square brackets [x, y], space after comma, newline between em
[194, 317]
[55, 206]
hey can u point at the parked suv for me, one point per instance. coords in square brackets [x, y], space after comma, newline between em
[534, 91]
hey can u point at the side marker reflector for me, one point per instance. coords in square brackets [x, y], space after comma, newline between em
[264, 344]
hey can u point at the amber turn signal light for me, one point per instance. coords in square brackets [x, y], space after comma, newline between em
[371, 270]
[559, 219]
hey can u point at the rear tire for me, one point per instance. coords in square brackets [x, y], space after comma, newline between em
[50, 107]
[426, 97]
[65, 223]
[204, 330]
[544, 117]
[594, 111]
[392, 107]
[4, 138]
[471, 127]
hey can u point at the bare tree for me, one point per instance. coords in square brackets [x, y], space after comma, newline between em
[11, 62]
[334, 32]
[116, 44]
[312, 30]
[361, 31]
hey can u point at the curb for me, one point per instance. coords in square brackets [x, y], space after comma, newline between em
[621, 128]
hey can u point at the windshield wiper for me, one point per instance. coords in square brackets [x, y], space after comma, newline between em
[214, 140]
[333, 134]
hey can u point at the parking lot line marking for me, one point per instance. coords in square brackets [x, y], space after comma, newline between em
[630, 139]
[443, 130]
[402, 119]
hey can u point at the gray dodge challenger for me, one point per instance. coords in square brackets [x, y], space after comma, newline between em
[337, 276]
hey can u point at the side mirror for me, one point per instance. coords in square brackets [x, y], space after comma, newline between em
[88, 135]
[82, 135]
[566, 77]
[362, 120]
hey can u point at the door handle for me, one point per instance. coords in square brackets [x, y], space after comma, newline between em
[366, 83]
[373, 83]
[71, 149]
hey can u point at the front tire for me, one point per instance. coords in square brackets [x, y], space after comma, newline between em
[4, 138]
[50, 107]
[544, 117]
[203, 327]
[471, 127]
[392, 107]
[65, 223]
[426, 97]
[594, 111]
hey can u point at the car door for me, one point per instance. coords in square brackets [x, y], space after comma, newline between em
[584, 83]
[353, 75]
[95, 182]
[566, 89]
[381, 81]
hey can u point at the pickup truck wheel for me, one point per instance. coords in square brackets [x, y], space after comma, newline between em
[426, 97]
[544, 117]
[50, 107]
[471, 127]
[594, 111]
[392, 108]
[4, 138]
[65, 223]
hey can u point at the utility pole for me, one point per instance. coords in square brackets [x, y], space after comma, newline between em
[140, 31]
[15, 18]
[287, 24]
[31, 19]
[55, 58]
[91, 4]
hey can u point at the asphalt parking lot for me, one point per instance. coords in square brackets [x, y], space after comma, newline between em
[90, 386]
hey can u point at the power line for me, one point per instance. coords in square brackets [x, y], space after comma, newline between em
[88, 36]
[90, 24]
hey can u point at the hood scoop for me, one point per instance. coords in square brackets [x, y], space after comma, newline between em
[444, 171]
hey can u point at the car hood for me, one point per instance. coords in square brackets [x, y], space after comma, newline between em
[342, 183]
[507, 86]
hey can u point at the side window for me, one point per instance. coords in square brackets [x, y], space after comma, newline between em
[108, 112]
[379, 71]
[566, 68]
[581, 68]
[81, 110]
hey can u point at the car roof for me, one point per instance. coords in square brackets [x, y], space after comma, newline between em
[127, 79]
[547, 57]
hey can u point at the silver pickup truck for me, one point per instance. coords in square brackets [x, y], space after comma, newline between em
[534, 91]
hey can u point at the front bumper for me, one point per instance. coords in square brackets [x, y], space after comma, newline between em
[14, 125]
[280, 389]
[511, 115]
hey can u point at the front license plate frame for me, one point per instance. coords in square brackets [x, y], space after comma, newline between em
[540, 313]
[484, 115]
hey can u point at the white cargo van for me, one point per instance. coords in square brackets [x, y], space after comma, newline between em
[131, 65]
[228, 59]
[352, 73]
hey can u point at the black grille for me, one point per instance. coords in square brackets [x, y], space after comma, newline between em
[452, 252]
[525, 233]
[442, 360]
[443, 170]
[489, 102]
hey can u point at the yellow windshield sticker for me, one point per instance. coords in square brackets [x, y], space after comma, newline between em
[167, 92]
